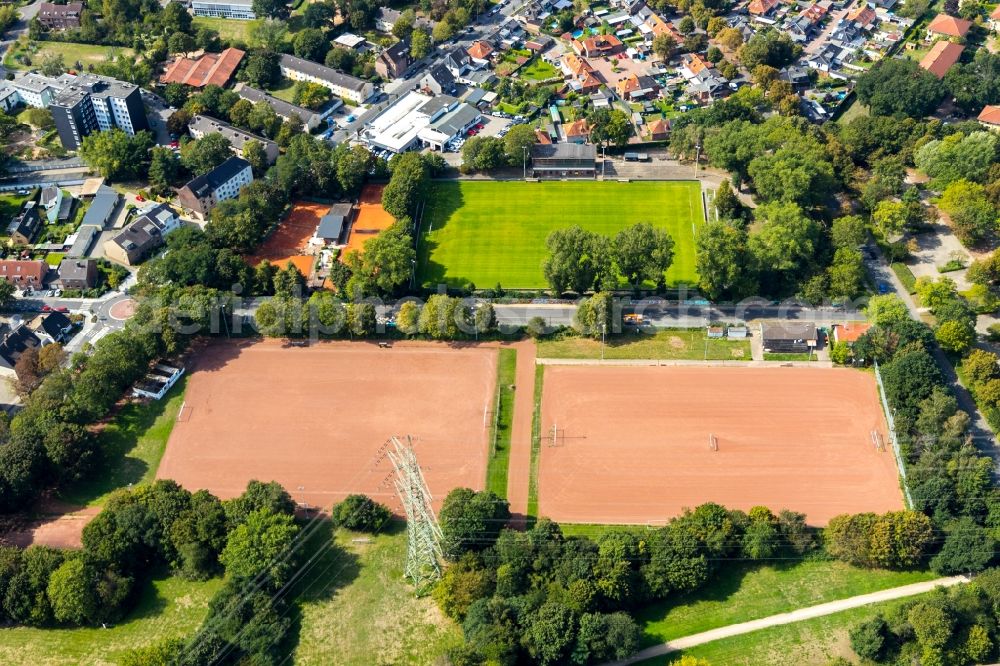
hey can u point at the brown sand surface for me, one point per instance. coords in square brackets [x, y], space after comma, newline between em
[631, 444]
[290, 241]
[316, 419]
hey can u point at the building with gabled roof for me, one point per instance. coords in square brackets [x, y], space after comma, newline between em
[59, 17]
[340, 84]
[480, 51]
[577, 131]
[24, 273]
[209, 69]
[225, 181]
[762, 7]
[598, 45]
[658, 130]
[286, 110]
[944, 25]
[393, 61]
[200, 126]
[941, 57]
[23, 228]
[143, 236]
[990, 117]
[863, 16]
[634, 87]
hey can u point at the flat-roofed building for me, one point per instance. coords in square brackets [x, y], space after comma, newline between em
[229, 9]
[416, 120]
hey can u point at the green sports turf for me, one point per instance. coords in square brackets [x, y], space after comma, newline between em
[489, 232]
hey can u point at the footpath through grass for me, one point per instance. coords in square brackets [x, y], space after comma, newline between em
[743, 592]
[812, 642]
[489, 232]
[133, 443]
[503, 420]
[356, 608]
[168, 608]
[669, 344]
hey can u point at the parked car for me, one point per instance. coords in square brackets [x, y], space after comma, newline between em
[46, 308]
[62, 308]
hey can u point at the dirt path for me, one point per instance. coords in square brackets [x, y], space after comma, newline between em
[788, 618]
[60, 526]
[519, 468]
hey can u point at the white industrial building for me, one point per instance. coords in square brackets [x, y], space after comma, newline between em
[417, 120]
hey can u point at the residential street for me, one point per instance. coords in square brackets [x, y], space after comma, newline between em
[979, 429]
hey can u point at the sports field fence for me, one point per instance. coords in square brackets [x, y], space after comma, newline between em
[892, 437]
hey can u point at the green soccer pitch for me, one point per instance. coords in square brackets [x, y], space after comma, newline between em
[493, 232]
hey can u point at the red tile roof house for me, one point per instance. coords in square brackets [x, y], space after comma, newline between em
[24, 273]
[995, 19]
[944, 26]
[658, 130]
[577, 131]
[849, 332]
[210, 69]
[990, 117]
[598, 45]
[762, 7]
[941, 57]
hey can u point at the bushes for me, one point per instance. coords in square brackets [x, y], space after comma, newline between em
[893, 540]
[955, 626]
[471, 521]
[538, 597]
[361, 513]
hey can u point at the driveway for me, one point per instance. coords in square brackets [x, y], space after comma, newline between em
[980, 431]
[937, 248]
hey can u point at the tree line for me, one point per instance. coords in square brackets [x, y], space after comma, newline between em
[538, 596]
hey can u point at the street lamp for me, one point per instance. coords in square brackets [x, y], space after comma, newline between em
[604, 330]
[524, 163]
[697, 158]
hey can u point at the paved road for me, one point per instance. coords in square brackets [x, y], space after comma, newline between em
[26, 13]
[979, 429]
[788, 618]
[676, 315]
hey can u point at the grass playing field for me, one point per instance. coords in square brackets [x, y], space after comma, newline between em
[494, 232]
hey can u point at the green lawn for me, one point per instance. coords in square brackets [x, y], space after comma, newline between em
[808, 643]
[10, 204]
[494, 232]
[905, 276]
[54, 258]
[538, 70]
[133, 443]
[357, 609]
[85, 54]
[168, 608]
[774, 356]
[496, 469]
[744, 592]
[685, 344]
[536, 443]
[284, 90]
[228, 29]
